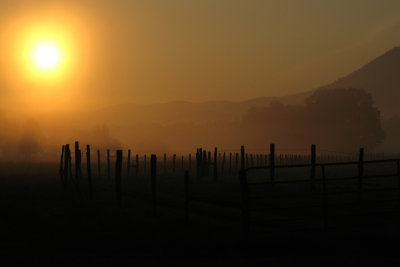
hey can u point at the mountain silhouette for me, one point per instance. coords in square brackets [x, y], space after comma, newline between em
[186, 112]
[381, 78]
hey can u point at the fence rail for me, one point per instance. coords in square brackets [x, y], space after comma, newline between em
[219, 164]
[247, 198]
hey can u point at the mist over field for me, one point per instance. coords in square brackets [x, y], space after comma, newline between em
[359, 110]
[167, 77]
[199, 133]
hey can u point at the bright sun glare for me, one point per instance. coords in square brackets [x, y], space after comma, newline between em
[47, 56]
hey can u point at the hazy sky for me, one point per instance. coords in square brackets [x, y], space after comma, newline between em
[157, 50]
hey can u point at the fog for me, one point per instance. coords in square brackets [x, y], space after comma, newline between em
[180, 127]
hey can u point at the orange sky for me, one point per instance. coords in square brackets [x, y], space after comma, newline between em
[158, 51]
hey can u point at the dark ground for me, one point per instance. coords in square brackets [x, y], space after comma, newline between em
[43, 225]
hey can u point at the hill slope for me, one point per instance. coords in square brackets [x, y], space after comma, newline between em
[380, 77]
[186, 112]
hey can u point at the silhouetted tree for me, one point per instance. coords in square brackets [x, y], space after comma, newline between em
[339, 119]
[345, 115]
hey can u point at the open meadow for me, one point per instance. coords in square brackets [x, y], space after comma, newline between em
[201, 217]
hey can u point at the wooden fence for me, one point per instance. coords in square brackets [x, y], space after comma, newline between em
[247, 199]
[218, 165]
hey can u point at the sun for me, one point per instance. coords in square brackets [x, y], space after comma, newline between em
[47, 56]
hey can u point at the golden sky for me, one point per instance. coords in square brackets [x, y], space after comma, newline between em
[157, 51]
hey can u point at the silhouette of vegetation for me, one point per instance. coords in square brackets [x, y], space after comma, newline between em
[340, 119]
[392, 129]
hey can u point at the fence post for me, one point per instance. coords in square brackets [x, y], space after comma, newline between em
[324, 200]
[204, 164]
[76, 162]
[187, 196]
[108, 164]
[153, 173]
[198, 163]
[208, 162]
[173, 162]
[272, 162]
[89, 172]
[230, 163]
[398, 175]
[190, 161]
[70, 163]
[165, 162]
[98, 163]
[242, 163]
[145, 164]
[215, 164]
[223, 165]
[313, 160]
[61, 171]
[66, 161]
[118, 174]
[137, 165]
[244, 204]
[79, 161]
[360, 171]
[128, 164]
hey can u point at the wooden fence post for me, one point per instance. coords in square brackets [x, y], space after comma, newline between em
[98, 163]
[230, 163]
[190, 161]
[153, 173]
[272, 163]
[89, 172]
[242, 163]
[182, 165]
[247, 160]
[137, 165]
[198, 159]
[145, 164]
[173, 162]
[187, 199]
[118, 179]
[70, 163]
[313, 161]
[76, 162]
[165, 162]
[360, 172]
[223, 164]
[79, 162]
[324, 200]
[61, 171]
[204, 161]
[66, 161]
[244, 204]
[208, 160]
[398, 175]
[108, 164]
[215, 164]
[128, 164]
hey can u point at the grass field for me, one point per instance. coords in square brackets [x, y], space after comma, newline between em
[44, 223]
